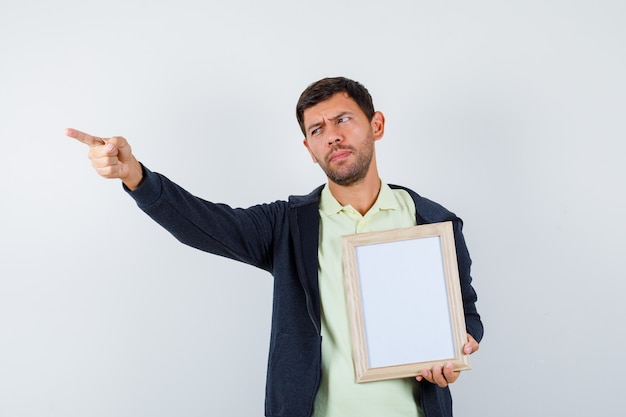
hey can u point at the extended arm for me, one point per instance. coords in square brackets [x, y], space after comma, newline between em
[245, 235]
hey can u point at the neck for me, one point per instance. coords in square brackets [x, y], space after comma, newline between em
[361, 195]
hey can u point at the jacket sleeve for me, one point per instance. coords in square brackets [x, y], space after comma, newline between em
[246, 235]
[473, 322]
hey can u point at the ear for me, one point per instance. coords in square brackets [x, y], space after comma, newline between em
[306, 145]
[378, 125]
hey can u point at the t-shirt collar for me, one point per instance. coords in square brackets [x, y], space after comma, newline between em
[385, 201]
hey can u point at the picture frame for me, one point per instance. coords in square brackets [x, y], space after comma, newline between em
[404, 301]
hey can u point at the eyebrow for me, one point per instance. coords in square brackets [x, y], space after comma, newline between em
[338, 116]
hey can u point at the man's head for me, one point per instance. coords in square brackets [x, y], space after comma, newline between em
[340, 127]
[326, 88]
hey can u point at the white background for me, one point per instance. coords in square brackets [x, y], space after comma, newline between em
[511, 114]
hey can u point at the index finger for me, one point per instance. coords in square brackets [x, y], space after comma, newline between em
[85, 138]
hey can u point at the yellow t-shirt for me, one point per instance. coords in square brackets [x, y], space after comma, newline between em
[339, 394]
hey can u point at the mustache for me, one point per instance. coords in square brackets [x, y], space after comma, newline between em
[336, 148]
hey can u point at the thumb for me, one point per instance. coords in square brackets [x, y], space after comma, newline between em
[128, 169]
[471, 346]
[121, 148]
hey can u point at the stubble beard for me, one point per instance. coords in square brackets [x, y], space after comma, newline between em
[351, 174]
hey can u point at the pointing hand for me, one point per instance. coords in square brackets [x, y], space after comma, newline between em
[111, 157]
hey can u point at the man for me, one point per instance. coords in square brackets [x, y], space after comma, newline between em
[310, 369]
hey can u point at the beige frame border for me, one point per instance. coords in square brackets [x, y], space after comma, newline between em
[356, 309]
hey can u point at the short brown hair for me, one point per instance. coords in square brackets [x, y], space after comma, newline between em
[326, 88]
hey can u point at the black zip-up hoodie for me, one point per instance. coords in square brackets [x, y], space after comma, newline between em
[282, 238]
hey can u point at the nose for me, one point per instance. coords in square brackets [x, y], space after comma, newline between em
[333, 135]
[333, 139]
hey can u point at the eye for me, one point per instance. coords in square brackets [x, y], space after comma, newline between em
[343, 119]
[315, 131]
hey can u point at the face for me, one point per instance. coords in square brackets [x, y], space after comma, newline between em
[341, 139]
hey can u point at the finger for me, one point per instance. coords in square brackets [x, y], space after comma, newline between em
[438, 377]
[113, 170]
[426, 374]
[99, 152]
[471, 346]
[105, 161]
[449, 374]
[83, 137]
[122, 148]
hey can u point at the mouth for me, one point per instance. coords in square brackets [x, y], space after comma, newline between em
[339, 155]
